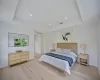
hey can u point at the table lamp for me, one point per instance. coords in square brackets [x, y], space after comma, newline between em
[83, 46]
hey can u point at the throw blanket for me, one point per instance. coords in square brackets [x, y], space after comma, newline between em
[70, 60]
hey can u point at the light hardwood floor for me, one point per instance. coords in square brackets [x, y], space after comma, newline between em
[34, 70]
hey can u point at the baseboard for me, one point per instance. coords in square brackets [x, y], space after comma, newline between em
[3, 66]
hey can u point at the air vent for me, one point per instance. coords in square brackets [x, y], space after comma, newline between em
[61, 22]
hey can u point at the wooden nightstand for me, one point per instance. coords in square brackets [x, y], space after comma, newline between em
[83, 59]
[52, 50]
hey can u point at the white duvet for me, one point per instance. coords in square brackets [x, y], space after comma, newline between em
[61, 64]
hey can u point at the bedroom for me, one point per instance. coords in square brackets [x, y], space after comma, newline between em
[52, 19]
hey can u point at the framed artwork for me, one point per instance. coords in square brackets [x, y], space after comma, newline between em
[66, 35]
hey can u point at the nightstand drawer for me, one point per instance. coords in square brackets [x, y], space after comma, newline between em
[83, 60]
[83, 56]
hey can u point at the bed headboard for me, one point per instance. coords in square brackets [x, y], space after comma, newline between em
[72, 46]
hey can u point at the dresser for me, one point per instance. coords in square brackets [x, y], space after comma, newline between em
[17, 57]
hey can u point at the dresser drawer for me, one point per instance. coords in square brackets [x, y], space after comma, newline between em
[18, 61]
[25, 56]
[24, 53]
[14, 58]
[24, 59]
[12, 62]
[14, 55]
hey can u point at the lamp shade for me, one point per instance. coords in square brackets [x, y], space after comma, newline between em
[53, 45]
[83, 46]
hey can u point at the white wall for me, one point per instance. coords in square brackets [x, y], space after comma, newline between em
[14, 28]
[47, 40]
[84, 33]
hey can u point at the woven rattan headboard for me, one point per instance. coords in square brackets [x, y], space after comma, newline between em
[72, 46]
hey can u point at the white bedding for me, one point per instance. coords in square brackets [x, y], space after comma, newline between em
[61, 64]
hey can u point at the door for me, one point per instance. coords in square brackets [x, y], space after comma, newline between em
[37, 44]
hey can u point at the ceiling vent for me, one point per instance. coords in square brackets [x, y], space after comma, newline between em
[61, 22]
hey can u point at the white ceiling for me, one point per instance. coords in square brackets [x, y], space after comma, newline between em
[88, 9]
[7, 9]
[47, 11]
[41, 13]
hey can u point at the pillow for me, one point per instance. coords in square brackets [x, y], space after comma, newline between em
[66, 50]
[58, 50]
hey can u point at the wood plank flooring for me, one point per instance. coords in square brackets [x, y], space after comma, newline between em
[34, 70]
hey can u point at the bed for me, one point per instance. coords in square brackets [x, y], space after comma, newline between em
[62, 60]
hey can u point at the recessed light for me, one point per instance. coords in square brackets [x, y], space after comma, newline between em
[49, 24]
[30, 14]
[65, 17]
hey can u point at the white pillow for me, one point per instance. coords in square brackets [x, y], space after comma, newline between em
[58, 50]
[66, 50]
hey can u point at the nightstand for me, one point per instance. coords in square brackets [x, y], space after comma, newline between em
[83, 59]
[52, 50]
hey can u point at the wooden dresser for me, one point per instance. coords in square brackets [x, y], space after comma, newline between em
[18, 57]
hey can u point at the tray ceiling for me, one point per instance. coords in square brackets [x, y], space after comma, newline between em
[47, 14]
